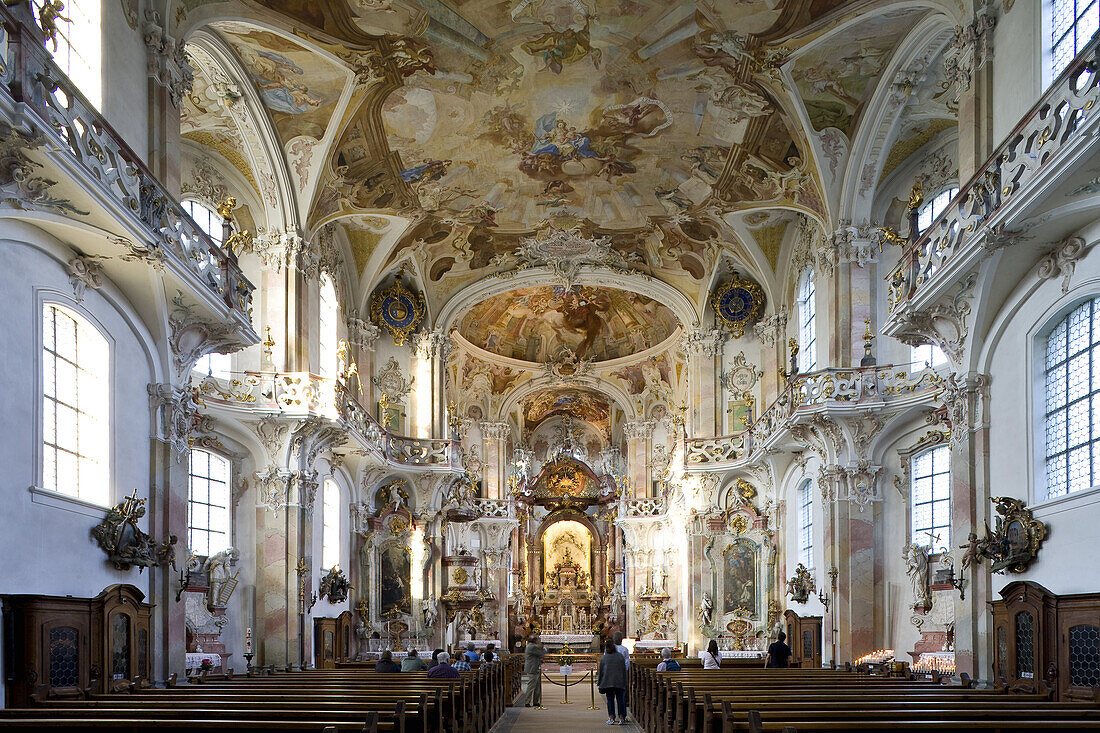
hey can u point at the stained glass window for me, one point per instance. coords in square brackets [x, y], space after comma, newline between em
[807, 325]
[64, 657]
[76, 406]
[1073, 401]
[930, 497]
[208, 521]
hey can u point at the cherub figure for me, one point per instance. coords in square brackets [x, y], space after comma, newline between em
[48, 15]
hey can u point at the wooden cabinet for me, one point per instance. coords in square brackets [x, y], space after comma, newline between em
[1040, 637]
[804, 639]
[67, 644]
[347, 644]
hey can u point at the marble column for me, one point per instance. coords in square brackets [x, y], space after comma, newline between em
[496, 436]
[704, 404]
[639, 434]
[968, 64]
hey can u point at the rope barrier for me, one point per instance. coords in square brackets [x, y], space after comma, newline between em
[567, 684]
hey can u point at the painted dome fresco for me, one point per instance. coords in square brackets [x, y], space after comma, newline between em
[534, 324]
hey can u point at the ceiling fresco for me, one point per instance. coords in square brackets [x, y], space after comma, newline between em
[611, 111]
[582, 404]
[534, 324]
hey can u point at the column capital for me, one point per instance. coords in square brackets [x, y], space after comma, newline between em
[705, 341]
[639, 429]
[496, 430]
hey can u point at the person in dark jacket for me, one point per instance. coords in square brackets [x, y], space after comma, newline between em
[779, 654]
[386, 663]
[532, 672]
[611, 681]
[413, 663]
[435, 658]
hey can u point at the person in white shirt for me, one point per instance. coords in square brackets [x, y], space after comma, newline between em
[711, 657]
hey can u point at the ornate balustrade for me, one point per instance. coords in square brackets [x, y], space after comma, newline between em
[1052, 131]
[862, 386]
[303, 394]
[49, 114]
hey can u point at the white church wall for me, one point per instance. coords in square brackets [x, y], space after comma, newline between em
[125, 80]
[1016, 434]
[1018, 61]
[39, 527]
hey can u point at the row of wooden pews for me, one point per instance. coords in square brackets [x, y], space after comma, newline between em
[318, 701]
[828, 701]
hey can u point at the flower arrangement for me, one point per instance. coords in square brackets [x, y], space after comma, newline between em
[566, 658]
[206, 664]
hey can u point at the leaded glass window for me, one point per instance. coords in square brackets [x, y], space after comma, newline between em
[76, 406]
[328, 338]
[934, 207]
[120, 646]
[64, 657]
[330, 530]
[1073, 22]
[1072, 407]
[79, 49]
[1025, 645]
[930, 498]
[807, 322]
[208, 520]
[209, 220]
[806, 523]
[1084, 656]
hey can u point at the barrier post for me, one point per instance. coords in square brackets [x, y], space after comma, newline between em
[592, 690]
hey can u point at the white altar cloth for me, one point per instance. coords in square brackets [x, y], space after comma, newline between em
[656, 644]
[193, 660]
[565, 638]
[746, 654]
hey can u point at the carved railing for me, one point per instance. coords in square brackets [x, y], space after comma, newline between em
[1063, 118]
[303, 393]
[65, 123]
[804, 393]
[644, 507]
[495, 508]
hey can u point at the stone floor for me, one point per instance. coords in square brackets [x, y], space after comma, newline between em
[573, 717]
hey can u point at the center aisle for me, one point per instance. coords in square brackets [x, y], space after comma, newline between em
[571, 718]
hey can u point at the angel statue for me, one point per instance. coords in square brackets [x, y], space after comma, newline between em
[706, 610]
[428, 607]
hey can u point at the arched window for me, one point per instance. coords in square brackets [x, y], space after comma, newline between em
[79, 50]
[934, 207]
[76, 397]
[1072, 398]
[330, 525]
[209, 220]
[925, 356]
[930, 497]
[807, 326]
[327, 335]
[208, 521]
[1072, 23]
[215, 365]
[806, 523]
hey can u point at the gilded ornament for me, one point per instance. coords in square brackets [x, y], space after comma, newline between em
[737, 303]
[397, 309]
[460, 576]
[738, 523]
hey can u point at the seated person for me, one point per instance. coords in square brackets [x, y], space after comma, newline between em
[490, 654]
[413, 663]
[462, 664]
[443, 667]
[667, 663]
[435, 658]
[471, 654]
[386, 663]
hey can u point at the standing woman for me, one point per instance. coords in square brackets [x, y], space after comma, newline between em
[711, 658]
[612, 683]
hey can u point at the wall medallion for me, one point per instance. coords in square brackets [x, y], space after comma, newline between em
[737, 303]
[398, 310]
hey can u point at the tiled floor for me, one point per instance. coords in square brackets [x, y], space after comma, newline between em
[559, 717]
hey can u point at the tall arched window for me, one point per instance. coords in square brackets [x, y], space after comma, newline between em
[806, 523]
[209, 220]
[807, 326]
[930, 498]
[79, 50]
[1072, 398]
[76, 398]
[327, 335]
[934, 207]
[1072, 23]
[208, 503]
[330, 529]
